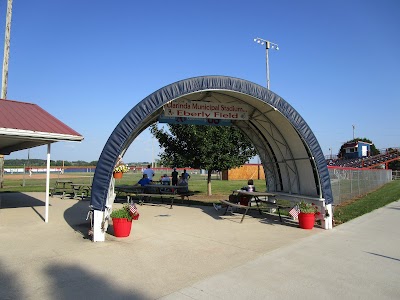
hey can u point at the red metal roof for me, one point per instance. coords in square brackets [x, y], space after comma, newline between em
[29, 116]
[26, 125]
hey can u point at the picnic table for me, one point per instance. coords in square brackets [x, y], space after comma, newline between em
[81, 189]
[61, 186]
[151, 190]
[128, 190]
[266, 198]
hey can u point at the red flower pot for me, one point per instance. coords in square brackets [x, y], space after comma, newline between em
[306, 221]
[122, 227]
[117, 175]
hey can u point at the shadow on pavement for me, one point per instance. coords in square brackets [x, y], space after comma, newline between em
[9, 281]
[76, 216]
[66, 282]
[16, 200]
[74, 282]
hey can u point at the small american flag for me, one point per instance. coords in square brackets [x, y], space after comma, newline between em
[294, 212]
[133, 209]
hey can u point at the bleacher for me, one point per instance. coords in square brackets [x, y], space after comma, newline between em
[369, 162]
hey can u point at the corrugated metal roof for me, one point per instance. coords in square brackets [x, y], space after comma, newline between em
[26, 125]
[29, 116]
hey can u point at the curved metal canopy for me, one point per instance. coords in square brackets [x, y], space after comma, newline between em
[290, 154]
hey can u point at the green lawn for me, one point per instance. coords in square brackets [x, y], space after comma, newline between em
[345, 212]
[197, 183]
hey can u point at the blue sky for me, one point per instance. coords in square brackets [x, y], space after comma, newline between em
[89, 62]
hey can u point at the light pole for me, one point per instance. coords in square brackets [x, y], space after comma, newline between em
[4, 79]
[354, 127]
[268, 45]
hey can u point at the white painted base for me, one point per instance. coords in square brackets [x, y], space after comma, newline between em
[99, 234]
[327, 222]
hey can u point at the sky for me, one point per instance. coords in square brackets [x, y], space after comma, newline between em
[88, 63]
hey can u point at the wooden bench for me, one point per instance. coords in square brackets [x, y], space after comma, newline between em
[186, 194]
[152, 191]
[142, 193]
[81, 190]
[63, 187]
[162, 196]
[268, 204]
[297, 198]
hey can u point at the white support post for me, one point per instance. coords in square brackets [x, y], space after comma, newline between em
[99, 234]
[101, 218]
[46, 215]
[327, 222]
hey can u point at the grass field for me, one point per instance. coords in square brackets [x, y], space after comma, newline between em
[349, 210]
[220, 190]
[197, 183]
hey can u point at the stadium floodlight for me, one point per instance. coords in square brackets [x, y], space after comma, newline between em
[268, 45]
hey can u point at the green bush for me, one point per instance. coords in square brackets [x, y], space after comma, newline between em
[307, 208]
[122, 213]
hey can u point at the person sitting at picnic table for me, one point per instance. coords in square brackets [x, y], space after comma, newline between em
[184, 186]
[250, 186]
[165, 180]
[144, 181]
[243, 199]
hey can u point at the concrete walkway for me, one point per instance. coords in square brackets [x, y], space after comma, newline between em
[356, 260]
[193, 253]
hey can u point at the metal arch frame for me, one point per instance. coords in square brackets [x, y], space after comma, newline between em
[146, 111]
[283, 142]
[268, 151]
[261, 117]
[265, 153]
[293, 183]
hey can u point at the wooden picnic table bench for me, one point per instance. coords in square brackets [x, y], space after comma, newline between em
[63, 187]
[265, 198]
[161, 191]
[82, 189]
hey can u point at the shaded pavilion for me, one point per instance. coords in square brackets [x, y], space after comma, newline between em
[26, 125]
[293, 161]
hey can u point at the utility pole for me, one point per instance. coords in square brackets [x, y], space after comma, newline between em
[5, 74]
[6, 51]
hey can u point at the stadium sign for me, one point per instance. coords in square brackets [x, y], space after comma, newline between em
[193, 121]
[206, 110]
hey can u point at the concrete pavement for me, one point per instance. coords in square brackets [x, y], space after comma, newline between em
[356, 260]
[193, 253]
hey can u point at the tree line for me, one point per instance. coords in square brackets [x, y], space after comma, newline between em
[33, 162]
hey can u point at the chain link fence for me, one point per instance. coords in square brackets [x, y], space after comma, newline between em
[348, 183]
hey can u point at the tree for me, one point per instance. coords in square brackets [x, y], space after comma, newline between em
[394, 165]
[212, 148]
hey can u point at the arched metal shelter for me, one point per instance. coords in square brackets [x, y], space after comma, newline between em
[290, 154]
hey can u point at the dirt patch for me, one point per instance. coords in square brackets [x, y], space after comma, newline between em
[40, 176]
[205, 198]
